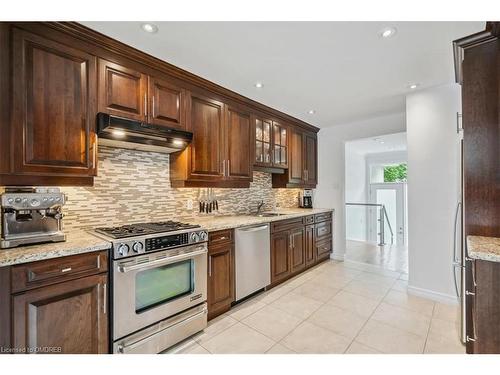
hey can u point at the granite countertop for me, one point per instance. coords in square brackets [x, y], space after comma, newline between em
[77, 242]
[80, 241]
[484, 248]
[214, 223]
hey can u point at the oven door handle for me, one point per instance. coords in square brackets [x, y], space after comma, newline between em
[124, 269]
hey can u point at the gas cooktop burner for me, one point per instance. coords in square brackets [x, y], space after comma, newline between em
[140, 229]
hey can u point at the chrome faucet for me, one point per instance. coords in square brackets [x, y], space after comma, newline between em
[259, 206]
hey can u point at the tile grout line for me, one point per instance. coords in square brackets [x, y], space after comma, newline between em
[429, 329]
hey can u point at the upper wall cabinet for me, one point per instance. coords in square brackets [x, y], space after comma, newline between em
[302, 169]
[271, 143]
[129, 93]
[220, 154]
[53, 112]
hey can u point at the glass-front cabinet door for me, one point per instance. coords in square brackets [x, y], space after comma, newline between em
[280, 145]
[263, 150]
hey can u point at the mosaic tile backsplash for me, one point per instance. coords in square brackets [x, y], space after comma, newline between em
[134, 186]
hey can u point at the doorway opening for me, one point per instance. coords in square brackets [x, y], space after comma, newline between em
[376, 202]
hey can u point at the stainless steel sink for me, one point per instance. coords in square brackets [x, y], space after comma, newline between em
[269, 214]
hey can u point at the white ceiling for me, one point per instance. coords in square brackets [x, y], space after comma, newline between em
[383, 143]
[343, 70]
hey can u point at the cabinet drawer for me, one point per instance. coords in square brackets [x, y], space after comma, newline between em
[324, 248]
[282, 225]
[220, 237]
[323, 217]
[309, 220]
[52, 271]
[323, 230]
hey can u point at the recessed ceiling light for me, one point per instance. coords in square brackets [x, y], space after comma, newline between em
[259, 85]
[311, 111]
[388, 32]
[413, 86]
[149, 28]
[382, 142]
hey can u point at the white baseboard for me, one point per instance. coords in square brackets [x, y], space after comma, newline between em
[435, 296]
[337, 256]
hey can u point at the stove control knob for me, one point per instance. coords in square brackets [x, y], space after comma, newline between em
[35, 203]
[195, 237]
[203, 236]
[123, 249]
[137, 247]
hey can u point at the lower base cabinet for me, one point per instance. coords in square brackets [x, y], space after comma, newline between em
[58, 305]
[221, 288]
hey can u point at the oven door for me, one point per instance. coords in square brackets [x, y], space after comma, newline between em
[152, 287]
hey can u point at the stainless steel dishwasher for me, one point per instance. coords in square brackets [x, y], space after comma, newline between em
[253, 259]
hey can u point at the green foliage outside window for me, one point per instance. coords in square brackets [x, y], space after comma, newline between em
[395, 173]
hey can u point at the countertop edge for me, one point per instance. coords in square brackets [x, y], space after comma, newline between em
[484, 248]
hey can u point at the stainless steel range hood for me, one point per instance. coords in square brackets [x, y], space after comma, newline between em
[121, 132]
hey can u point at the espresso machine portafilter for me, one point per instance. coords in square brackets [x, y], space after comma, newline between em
[31, 216]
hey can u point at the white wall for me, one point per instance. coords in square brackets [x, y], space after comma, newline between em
[331, 166]
[355, 192]
[433, 159]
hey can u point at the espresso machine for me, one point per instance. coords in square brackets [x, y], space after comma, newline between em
[31, 215]
[306, 198]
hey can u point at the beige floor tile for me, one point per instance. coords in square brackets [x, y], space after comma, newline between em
[437, 344]
[239, 339]
[245, 309]
[215, 326]
[280, 349]
[445, 328]
[354, 302]
[332, 280]
[404, 319]
[357, 348]
[297, 305]
[311, 339]
[376, 279]
[447, 312]
[299, 280]
[410, 302]
[367, 289]
[342, 322]
[272, 322]
[388, 339]
[315, 290]
[272, 295]
[400, 285]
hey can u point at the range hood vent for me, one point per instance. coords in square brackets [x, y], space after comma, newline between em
[120, 132]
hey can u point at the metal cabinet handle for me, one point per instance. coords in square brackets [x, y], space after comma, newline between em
[105, 297]
[66, 269]
[224, 168]
[228, 168]
[145, 106]
[459, 118]
[209, 266]
[467, 293]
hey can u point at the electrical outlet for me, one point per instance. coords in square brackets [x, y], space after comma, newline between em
[189, 204]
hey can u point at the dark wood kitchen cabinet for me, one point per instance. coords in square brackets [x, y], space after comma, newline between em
[302, 169]
[221, 287]
[271, 144]
[280, 257]
[58, 304]
[220, 153]
[310, 251]
[298, 249]
[53, 113]
[129, 93]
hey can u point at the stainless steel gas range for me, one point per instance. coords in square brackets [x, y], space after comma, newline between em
[159, 284]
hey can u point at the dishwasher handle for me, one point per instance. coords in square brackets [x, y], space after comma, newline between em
[254, 229]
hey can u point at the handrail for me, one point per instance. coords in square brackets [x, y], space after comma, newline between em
[382, 216]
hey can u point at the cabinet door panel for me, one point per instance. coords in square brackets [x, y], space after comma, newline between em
[310, 159]
[220, 279]
[280, 256]
[54, 107]
[206, 121]
[310, 246]
[296, 167]
[71, 316]
[238, 135]
[298, 249]
[166, 103]
[122, 91]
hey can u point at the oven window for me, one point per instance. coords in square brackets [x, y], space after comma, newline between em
[162, 284]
